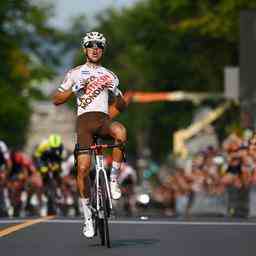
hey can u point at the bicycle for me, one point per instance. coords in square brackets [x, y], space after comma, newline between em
[100, 190]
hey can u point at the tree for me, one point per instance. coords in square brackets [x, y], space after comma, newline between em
[25, 56]
[170, 45]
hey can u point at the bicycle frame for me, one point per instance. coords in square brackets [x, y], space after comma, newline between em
[99, 166]
[97, 150]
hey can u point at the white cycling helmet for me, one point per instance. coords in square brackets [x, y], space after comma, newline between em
[94, 37]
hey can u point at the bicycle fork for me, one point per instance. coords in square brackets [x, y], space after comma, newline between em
[100, 168]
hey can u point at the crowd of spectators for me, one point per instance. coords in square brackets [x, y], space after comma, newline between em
[213, 171]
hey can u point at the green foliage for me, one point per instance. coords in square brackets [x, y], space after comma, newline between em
[25, 57]
[14, 116]
[165, 46]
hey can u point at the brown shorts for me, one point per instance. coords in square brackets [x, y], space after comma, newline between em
[92, 124]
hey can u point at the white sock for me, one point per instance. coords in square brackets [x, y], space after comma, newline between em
[114, 170]
[85, 203]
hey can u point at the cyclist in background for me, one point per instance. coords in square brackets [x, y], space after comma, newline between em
[5, 160]
[5, 165]
[128, 180]
[48, 154]
[22, 174]
[48, 157]
[92, 84]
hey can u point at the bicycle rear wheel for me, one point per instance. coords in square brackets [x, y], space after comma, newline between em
[106, 210]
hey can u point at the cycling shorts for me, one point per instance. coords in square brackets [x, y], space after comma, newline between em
[91, 124]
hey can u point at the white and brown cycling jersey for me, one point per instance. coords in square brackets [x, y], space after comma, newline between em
[96, 82]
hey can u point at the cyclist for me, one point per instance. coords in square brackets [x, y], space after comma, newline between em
[5, 161]
[22, 176]
[128, 179]
[48, 157]
[5, 165]
[48, 153]
[92, 84]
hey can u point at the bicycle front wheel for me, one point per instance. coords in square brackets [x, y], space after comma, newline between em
[106, 209]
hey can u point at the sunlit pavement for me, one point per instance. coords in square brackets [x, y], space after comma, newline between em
[134, 236]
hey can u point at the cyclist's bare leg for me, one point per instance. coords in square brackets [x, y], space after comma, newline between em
[83, 168]
[118, 132]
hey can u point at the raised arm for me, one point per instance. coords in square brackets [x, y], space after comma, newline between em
[120, 103]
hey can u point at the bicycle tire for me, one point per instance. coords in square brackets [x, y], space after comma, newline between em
[99, 223]
[52, 195]
[101, 228]
[105, 205]
[93, 192]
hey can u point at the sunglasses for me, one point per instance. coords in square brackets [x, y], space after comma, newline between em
[94, 44]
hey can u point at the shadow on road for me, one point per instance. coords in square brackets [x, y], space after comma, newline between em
[134, 242]
[131, 243]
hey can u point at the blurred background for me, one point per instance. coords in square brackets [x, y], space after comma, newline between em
[187, 71]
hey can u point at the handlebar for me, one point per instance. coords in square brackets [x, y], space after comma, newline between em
[99, 147]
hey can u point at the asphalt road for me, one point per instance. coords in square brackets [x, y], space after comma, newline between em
[130, 237]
